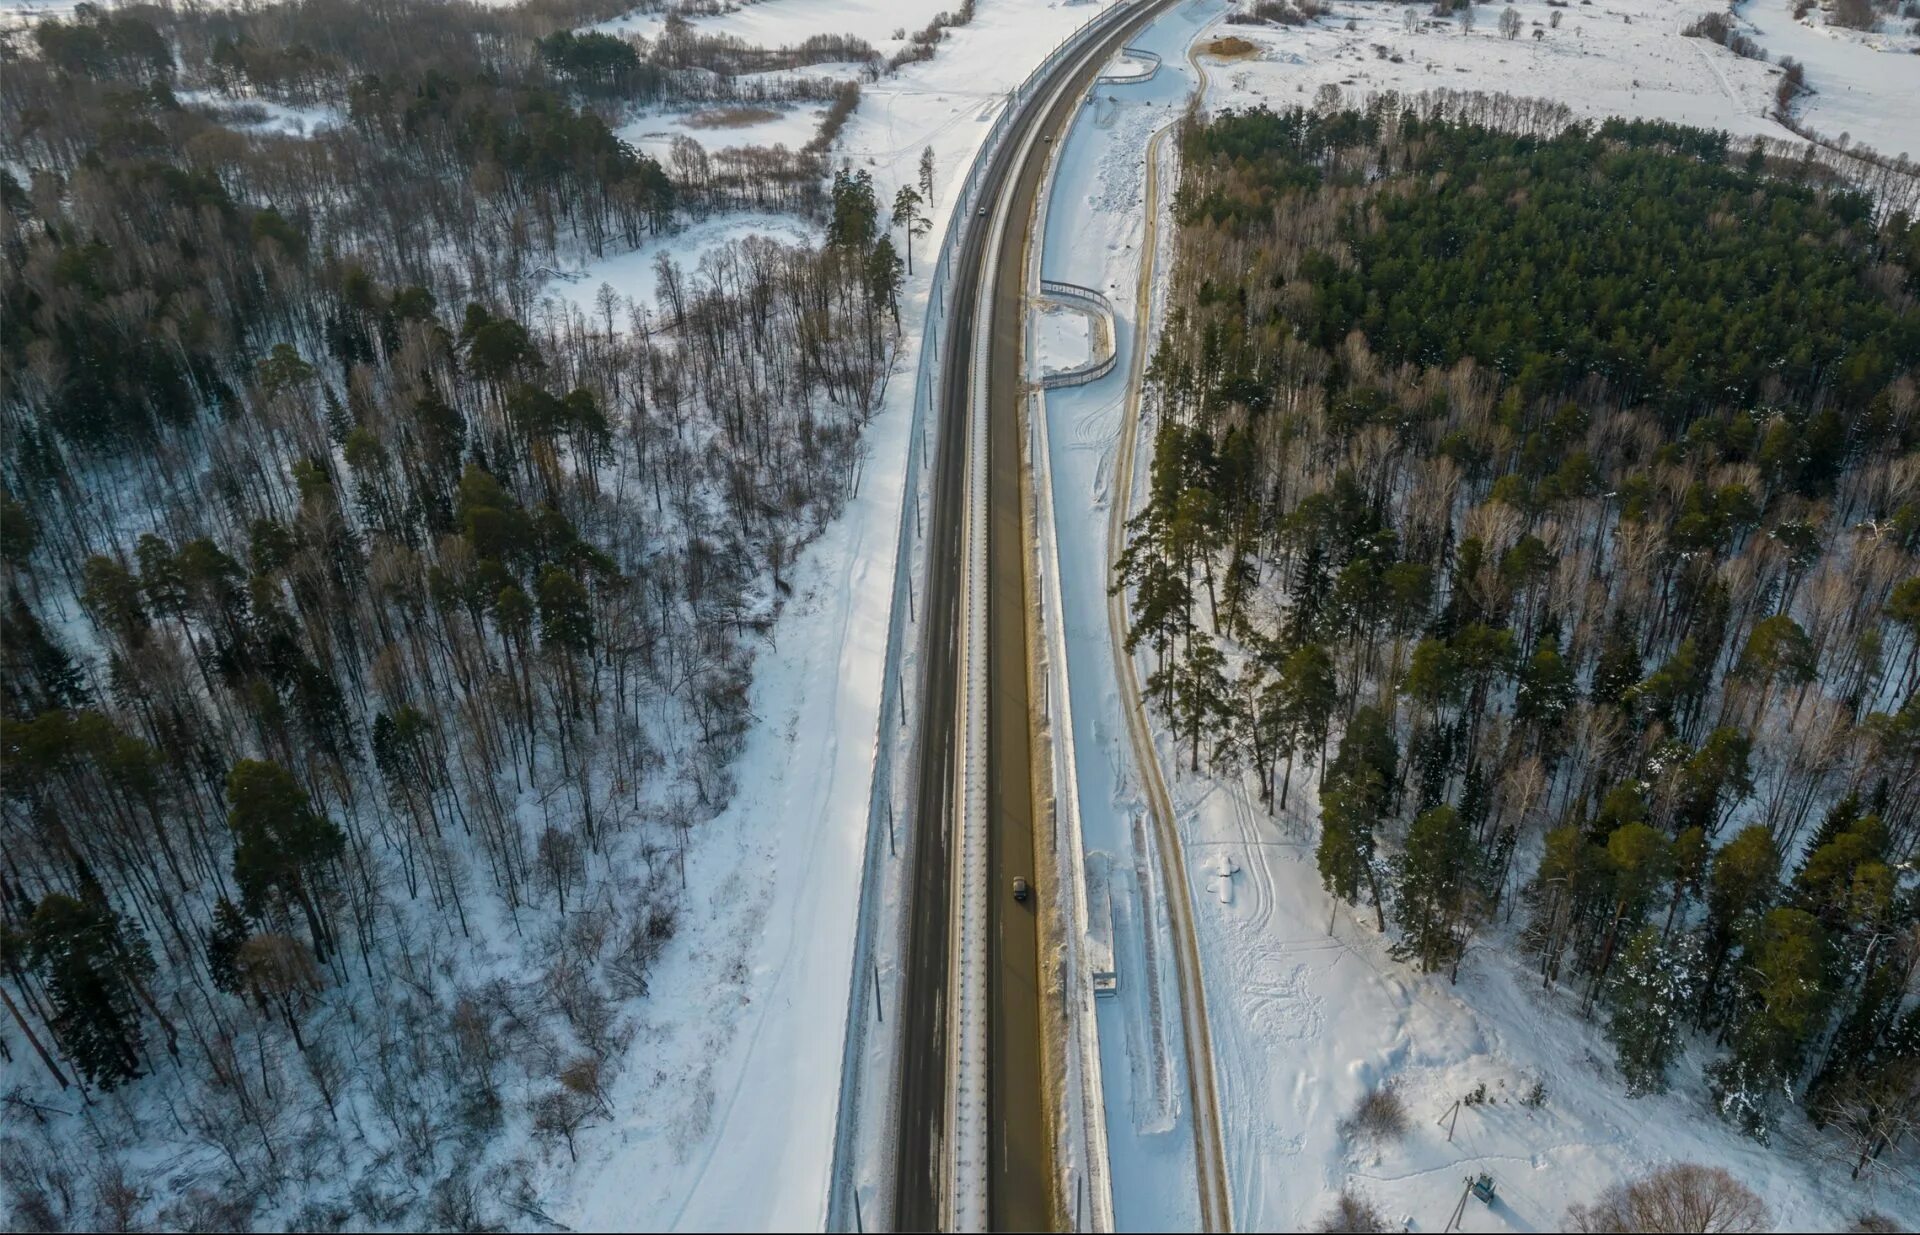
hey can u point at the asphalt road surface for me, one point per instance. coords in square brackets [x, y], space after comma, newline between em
[1019, 1179]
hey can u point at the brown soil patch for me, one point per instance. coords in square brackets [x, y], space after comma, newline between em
[1230, 48]
[730, 117]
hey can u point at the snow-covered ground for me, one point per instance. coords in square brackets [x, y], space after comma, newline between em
[726, 1110]
[782, 23]
[1866, 85]
[723, 128]
[1304, 1020]
[1062, 339]
[264, 115]
[634, 274]
[1609, 58]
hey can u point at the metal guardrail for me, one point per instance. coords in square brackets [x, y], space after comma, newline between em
[1129, 79]
[898, 741]
[1101, 308]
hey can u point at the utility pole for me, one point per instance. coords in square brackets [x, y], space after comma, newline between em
[1459, 1209]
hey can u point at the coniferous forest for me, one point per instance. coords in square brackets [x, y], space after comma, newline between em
[362, 615]
[1545, 498]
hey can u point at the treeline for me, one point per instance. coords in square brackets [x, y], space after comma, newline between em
[1553, 495]
[371, 646]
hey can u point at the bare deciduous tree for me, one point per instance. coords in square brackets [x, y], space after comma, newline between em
[1352, 1211]
[1683, 1197]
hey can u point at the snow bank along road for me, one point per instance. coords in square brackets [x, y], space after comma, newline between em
[1018, 1184]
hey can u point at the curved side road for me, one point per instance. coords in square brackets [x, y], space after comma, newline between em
[1210, 1161]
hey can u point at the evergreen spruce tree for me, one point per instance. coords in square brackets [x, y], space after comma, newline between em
[1648, 996]
[1618, 668]
[90, 961]
[229, 931]
[1432, 888]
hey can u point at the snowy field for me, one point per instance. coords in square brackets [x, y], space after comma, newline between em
[1866, 84]
[1606, 58]
[1306, 1007]
[782, 23]
[1610, 58]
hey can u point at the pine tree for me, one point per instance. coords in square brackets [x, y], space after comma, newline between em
[1618, 668]
[1783, 1004]
[1638, 862]
[113, 594]
[1309, 693]
[1741, 885]
[19, 532]
[36, 673]
[566, 621]
[1545, 694]
[282, 846]
[907, 216]
[1199, 690]
[1349, 813]
[1352, 805]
